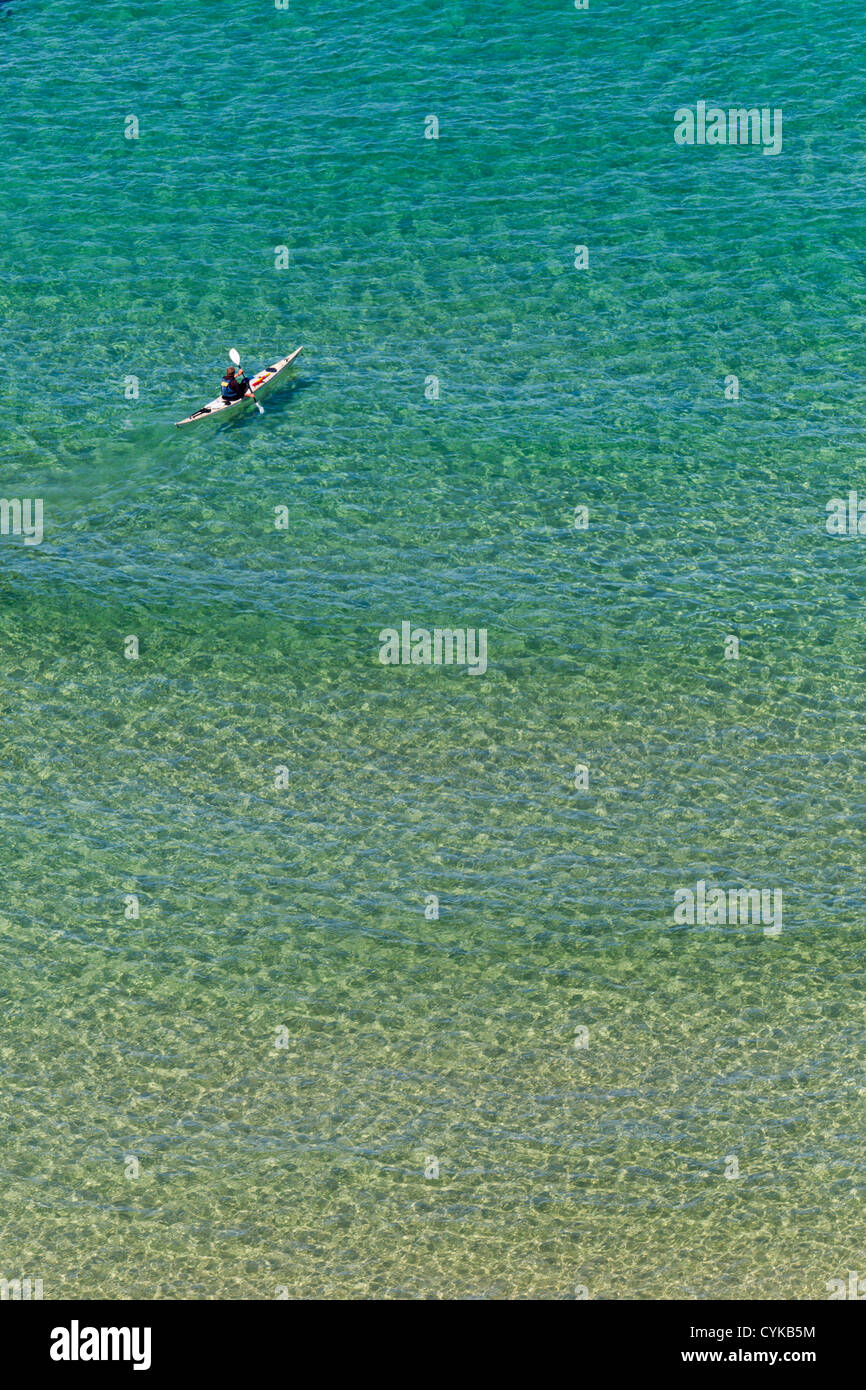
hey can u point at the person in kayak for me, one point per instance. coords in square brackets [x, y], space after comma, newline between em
[234, 385]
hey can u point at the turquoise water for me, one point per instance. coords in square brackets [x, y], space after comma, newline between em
[301, 1168]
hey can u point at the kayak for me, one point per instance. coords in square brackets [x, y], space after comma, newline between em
[262, 379]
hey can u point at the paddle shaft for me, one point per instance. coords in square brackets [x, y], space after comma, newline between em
[260, 408]
[235, 356]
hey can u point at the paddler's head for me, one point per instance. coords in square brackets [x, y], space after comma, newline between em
[230, 371]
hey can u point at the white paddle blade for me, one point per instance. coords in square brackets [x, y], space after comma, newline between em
[235, 356]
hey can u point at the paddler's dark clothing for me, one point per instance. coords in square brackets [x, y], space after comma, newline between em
[232, 388]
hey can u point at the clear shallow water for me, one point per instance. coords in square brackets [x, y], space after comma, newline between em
[304, 908]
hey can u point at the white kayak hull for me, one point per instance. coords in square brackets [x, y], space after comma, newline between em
[261, 383]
